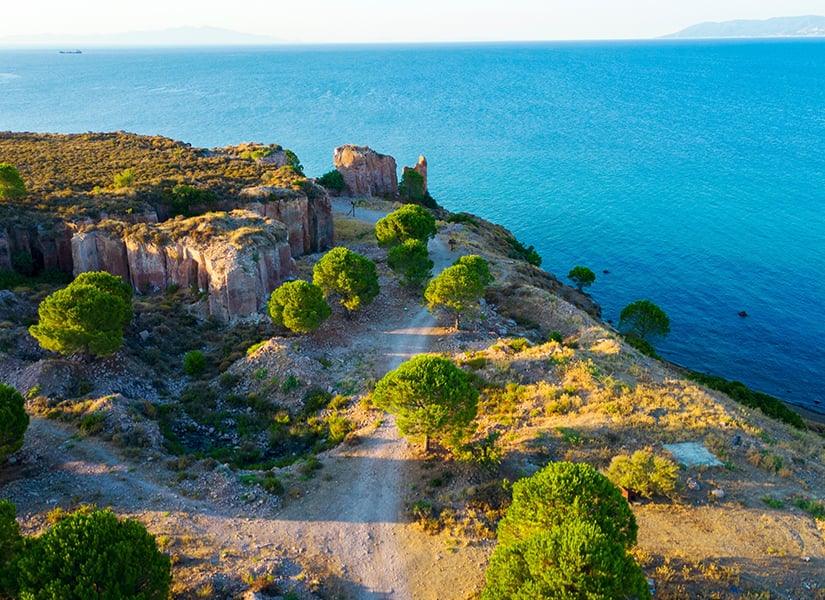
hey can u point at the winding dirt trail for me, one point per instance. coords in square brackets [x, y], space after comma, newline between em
[349, 524]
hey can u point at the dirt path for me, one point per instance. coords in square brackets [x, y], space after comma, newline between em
[349, 524]
[357, 517]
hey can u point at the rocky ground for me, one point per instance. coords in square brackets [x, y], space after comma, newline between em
[344, 530]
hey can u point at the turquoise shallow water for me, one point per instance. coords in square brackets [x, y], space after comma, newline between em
[693, 172]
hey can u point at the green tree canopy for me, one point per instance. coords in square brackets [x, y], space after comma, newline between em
[582, 277]
[293, 161]
[566, 535]
[456, 289]
[411, 186]
[412, 261]
[479, 265]
[106, 282]
[571, 562]
[88, 315]
[561, 491]
[429, 396]
[91, 556]
[11, 184]
[299, 306]
[410, 222]
[13, 421]
[644, 320]
[11, 543]
[349, 276]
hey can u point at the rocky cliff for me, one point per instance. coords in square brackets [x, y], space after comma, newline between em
[76, 217]
[366, 172]
[237, 258]
[307, 217]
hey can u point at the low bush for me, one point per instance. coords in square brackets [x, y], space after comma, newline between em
[14, 420]
[333, 181]
[644, 473]
[194, 362]
[94, 555]
[773, 407]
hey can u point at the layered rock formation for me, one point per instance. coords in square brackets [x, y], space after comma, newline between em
[308, 219]
[49, 246]
[366, 172]
[238, 258]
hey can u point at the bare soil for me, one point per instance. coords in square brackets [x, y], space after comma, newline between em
[347, 533]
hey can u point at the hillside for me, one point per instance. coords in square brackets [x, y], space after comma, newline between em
[271, 471]
[805, 26]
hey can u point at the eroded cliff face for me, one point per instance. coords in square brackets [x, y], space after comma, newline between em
[366, 172]
[238, 258]
[141, 250]
[48, 245]
[307, 217]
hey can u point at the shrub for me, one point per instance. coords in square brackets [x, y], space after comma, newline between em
[773, 407]
[299, 306]
[578, 560]
[293, 161]
[11, 184]
[124, 178]
[644, 473]
[13, 421]
[582, 277]
[94, 555]
[11, 543]
[410, 222]
[347, 275]
[23, 263]
[412, 261]
[194, 362]
[333, 181]
[182, 197]
[430, 396]
[643, 319]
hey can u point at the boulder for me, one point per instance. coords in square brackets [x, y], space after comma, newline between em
[366, 172]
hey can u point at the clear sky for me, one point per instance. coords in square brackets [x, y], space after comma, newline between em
[393, 20]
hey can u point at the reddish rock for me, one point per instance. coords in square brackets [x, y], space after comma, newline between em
[308, 220]
[237, 257]
[366, 172]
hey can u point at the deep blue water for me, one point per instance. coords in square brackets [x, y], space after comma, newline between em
[694, 172]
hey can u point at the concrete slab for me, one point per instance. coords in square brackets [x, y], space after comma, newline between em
[693, 454]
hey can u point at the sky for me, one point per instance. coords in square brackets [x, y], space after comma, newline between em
[375, 21]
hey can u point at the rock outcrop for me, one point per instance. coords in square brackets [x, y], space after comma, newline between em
[308, 218]
[48, 245]
[366, 172]
[420, 168]
[238, 258]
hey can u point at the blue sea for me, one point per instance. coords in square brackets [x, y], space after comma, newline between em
[688, 173]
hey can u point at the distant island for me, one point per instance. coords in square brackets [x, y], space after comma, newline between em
[806, 26]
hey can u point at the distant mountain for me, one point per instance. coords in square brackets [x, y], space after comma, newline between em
[178, 36]
[807, 26]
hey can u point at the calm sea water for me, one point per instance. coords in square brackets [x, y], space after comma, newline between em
[693, 172]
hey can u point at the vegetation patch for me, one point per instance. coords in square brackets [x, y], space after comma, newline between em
[773, 407]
